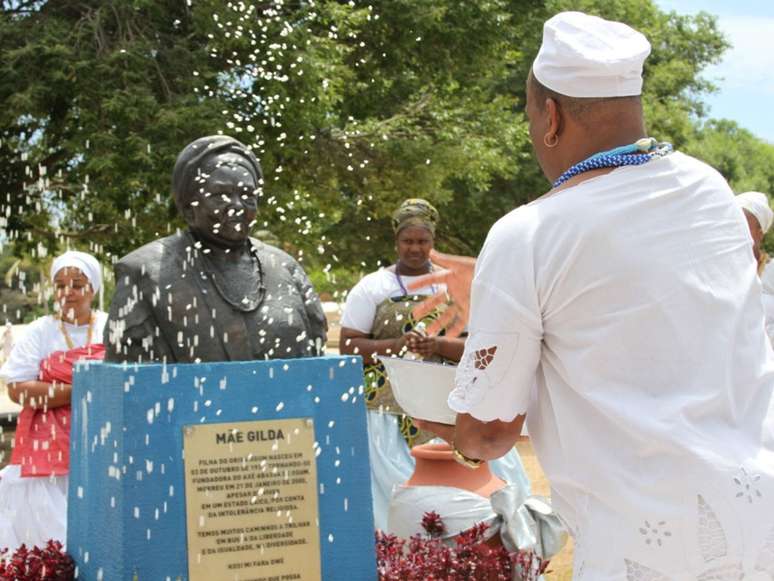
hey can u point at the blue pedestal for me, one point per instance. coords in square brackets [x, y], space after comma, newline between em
[127, 509]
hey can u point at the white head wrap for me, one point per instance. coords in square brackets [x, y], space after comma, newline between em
[86, 263]
[587, 56]
[758, 205]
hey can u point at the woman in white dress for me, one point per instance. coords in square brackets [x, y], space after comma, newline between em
[377, 321]
[38, 373]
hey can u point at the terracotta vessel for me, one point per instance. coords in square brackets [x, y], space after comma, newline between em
[436, 466]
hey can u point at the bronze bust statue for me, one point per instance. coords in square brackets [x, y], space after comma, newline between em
[213, 293]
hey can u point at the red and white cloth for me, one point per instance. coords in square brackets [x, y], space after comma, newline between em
[42, 440]
[33, 488]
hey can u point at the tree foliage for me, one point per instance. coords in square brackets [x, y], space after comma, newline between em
[350, 106]
[746, 162]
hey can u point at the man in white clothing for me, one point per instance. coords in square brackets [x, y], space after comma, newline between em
[620, 314]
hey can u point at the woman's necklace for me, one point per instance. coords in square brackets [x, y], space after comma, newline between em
[403, 287]
[638, 153]
[248, 303]
[69, 340]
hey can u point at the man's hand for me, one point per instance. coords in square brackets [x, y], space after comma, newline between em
[458, 277]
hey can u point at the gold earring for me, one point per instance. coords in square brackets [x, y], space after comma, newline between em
[554, 141]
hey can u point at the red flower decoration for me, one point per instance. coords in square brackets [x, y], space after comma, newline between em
[433, 524]
[48, 564]
[430, 559]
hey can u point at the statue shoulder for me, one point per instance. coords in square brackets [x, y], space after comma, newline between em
[277, 255]
[148, 259]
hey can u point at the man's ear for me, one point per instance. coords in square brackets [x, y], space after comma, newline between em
[554, 119]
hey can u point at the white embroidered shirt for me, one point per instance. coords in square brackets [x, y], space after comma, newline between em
[623, 316]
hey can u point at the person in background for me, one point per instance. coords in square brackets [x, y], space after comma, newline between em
[38, 372]
[759, 216]
[621, 315]
[377, 321]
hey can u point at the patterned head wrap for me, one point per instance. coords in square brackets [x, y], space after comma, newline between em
[415, 212]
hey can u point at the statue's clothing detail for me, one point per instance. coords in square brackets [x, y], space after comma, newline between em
[167, 308]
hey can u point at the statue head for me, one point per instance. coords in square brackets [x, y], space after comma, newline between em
[216, 183]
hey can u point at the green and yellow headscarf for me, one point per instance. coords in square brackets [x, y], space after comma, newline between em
[415, 212]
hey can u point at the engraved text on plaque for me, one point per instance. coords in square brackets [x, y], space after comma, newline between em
[251, 501]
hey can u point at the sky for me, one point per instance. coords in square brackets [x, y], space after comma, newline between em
[745, 77]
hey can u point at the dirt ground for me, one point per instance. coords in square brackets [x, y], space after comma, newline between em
[561, 565]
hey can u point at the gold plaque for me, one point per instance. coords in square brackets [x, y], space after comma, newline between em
[251, 501]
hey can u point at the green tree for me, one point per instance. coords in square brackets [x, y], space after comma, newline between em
[682, 47]
[743, 159]
[96, 98]
[351, 107]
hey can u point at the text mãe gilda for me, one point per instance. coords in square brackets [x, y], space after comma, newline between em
[237, 437]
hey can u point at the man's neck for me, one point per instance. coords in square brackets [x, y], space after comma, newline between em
[603, 143]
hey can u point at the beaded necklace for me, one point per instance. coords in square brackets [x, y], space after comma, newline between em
[69, 340]
[637, 153]
[403, 287]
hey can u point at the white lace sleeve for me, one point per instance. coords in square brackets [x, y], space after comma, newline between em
[496, 374]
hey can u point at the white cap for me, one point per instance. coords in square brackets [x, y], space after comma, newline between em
[587, 56]
[758, 205]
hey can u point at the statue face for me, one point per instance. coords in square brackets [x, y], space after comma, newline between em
[225, 207]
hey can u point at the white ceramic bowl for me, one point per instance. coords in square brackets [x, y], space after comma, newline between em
[422, 388]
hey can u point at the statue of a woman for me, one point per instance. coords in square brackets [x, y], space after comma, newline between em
[212, 293]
